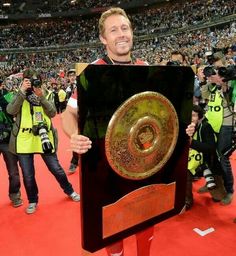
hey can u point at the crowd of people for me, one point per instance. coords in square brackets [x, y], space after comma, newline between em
[82, 30]
[180, 15]
[53, 6]
[156, 51]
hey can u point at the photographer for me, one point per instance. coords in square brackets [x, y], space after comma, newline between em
[215, 88]
[33, 133]
[203, 158]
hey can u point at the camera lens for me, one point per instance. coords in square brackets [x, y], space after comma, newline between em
[36, 82]
[210, 181]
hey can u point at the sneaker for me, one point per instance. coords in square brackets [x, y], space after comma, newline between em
[75, 197]
[203, 189]
[72, 168]
[17, 202]
[227, 199]
[31, 208]
[16, 199]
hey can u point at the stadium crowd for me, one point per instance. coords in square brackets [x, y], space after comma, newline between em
[53, 6]
[193, 44]
[83, 30]
[80, 37]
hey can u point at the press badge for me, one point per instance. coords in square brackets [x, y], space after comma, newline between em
[38, 117]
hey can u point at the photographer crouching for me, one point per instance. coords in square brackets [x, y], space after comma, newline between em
[216, 88]
[33, 133]
[203, 158]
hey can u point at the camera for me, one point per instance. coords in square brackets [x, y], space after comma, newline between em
[34, 78]
[42, 130]
[35, 82]
[207, 174]
[228, 73]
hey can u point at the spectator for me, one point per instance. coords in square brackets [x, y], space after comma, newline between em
[62, 98]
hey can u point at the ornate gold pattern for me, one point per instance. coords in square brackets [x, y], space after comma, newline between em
[141, 135]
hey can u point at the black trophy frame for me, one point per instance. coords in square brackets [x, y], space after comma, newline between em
[101, 90]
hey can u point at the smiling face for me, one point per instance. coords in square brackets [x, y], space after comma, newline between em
[117, 37]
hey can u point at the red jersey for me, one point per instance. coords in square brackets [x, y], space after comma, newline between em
[104, 61]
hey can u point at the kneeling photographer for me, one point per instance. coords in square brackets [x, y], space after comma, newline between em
[219, 93]
[33, 133]
[203, 158]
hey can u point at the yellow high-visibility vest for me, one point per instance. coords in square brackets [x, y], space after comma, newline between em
[26, 141]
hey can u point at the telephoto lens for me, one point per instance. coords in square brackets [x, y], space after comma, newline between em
[210, 181]
[46, 144]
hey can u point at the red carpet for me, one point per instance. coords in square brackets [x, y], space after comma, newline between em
[55, 228]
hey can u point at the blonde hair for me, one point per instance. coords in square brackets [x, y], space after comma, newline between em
[108, 13]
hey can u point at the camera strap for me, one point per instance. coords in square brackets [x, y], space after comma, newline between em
[31, 110]
[32, 113]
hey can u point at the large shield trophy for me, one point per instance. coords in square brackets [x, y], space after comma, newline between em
[134, 175]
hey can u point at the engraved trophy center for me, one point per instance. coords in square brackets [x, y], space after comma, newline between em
[141, 135]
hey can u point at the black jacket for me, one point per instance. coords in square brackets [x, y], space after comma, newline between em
[206, 144]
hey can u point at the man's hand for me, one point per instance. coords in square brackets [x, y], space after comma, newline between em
[216, 79]
[38, 91]
[190, 129]
[80, 144]
[26, 84]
